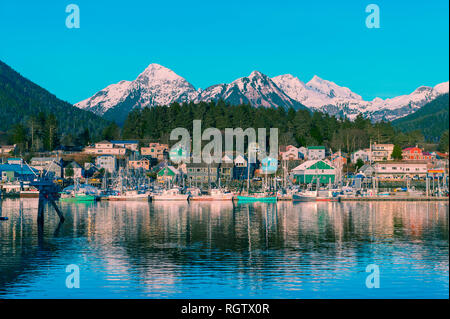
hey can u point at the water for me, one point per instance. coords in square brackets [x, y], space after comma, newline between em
[217, 250]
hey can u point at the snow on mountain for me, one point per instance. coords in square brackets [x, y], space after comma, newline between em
[257, 89]
[326, 96]
[158, 85]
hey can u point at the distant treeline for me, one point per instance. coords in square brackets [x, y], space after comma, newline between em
[300, 128]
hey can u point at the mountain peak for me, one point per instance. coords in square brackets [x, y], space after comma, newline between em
[256, 74]
[158, 72]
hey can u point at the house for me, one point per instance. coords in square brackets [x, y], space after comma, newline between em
[139, 164]
[127, 144]
[401, 170]
[202, 172]
[226, 171]
[240, 168]
[14, 161]
[339, 159]
[14, 172]
[228, 158]
[73, 170]
[51, 165]
[178, 154]
[367, 170]
[363, 155]
[291, 153]
[155, 150]
[269, 165]
[315, 153]
[107, 162]
[105, 147]
[7, 149]
[313, 170]
[381, 152]
[167, 173]
[416, 154]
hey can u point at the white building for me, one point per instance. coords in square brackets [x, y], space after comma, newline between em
[381, 152]
[316, 153]
[105, 147]
[400, 170]
[363, 155]
[107, 162]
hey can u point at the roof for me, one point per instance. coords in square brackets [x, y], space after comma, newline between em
[19, 169]
[124, 142]
[316, 147]
[313, 164]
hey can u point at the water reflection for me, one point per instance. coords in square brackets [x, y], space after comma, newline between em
[208, 250]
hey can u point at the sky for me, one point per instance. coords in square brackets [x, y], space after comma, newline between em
[211, 42]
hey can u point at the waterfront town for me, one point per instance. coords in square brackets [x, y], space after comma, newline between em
[130, 169]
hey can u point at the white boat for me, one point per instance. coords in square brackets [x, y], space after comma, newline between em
[172, 194]
[131, 195]
[214, 195]
[315, 196]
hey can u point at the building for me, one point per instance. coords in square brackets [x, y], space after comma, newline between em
[367, 169]
[381, 152]
[313, 170]
[155, 150]
[416, 154]
[178, 154]
[401, 170]
[315, 153]
[363, 155]
[167, 174]
[107, 162]
[240, 168]
[14, 172]
[139, 164]
[269, 165]
[226, 171]
[202, 172]
[50, 165]
[73, 170]
[291, 153]
[105, 147]
[7, 149]
[14, 161]
[339, 159]
[127, 144]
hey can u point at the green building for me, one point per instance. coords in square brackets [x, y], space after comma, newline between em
[310, 171]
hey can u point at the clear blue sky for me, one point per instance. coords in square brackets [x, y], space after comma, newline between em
[210, 42]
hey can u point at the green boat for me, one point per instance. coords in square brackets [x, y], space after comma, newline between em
[79, 198]
[252, 199]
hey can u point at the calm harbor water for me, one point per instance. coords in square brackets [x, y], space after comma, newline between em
[221, 250]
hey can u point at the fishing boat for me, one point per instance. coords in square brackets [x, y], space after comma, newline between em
[214, 195]
[173, 194]
[257, 197]
[129, 195]
[30, 193]
[315, 196]
[80, 193]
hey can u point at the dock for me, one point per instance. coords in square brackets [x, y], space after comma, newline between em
[395, 199]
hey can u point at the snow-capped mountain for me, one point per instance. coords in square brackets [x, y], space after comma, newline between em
[158, 85]
[257, 89]
[328, 97]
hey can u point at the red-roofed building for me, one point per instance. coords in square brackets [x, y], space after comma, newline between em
[416, 154]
